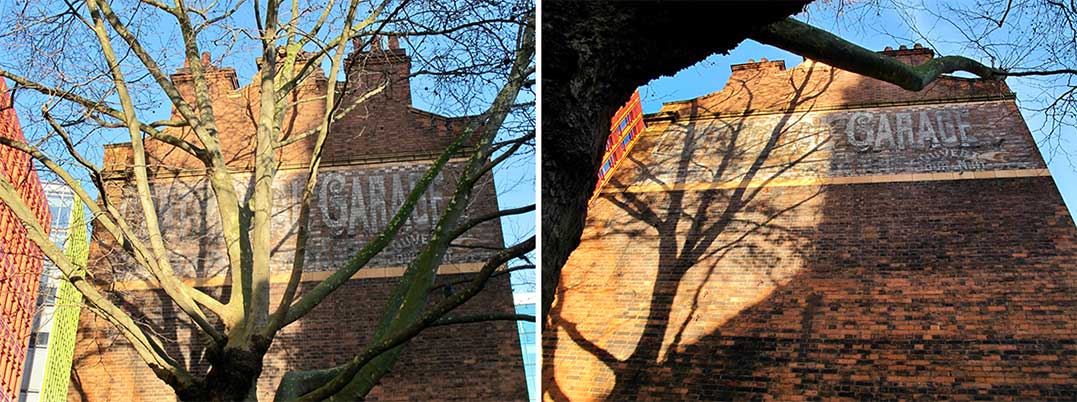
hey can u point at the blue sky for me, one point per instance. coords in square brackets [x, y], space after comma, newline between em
[881, 31]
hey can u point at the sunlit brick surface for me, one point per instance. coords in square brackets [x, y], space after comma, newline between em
[810, 234]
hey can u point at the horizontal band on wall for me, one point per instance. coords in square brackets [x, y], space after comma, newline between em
[408, 160]
[673, 116]
[282, 277]
[830, 181]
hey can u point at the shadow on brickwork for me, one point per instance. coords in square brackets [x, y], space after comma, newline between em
[695, 280]
[699, 238]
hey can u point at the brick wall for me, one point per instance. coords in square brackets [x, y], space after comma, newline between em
[351, 205]
[811, 234]
[460, 362]
[369, 131]
[373, 159]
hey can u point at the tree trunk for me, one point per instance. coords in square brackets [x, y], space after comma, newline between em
[233, 376]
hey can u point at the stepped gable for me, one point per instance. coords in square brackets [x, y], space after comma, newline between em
[810, 233]
[769, 86]
[385, 127]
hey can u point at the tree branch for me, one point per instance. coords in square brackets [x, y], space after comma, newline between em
[316, 57]
[464, 227]
[814, 43]
[182, 107]
[99, 107]
[350, 369]
[517, 144]
[299, 258]
[473, 318]
[408, 299]
[171, 285]
[261, 200]
[496, 274]
[149, 350]
[336, 116]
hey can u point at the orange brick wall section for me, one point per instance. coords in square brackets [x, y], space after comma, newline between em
[811, 234]
[20, 259]
[459, 362]
[371, 131]
[373, 158]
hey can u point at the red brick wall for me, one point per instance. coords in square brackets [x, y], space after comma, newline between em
[779, 255]
[373, 158]
[462, 362]
[370, 131]
[351, 205]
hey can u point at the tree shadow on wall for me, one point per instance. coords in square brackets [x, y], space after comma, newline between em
[695, 212]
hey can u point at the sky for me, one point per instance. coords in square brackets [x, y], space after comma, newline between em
[710, 76]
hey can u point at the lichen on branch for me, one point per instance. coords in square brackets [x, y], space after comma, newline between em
[816, 44]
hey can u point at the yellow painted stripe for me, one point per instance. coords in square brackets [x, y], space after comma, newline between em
[282, 277]
[828, 181]
[621, 137]
[609, 173]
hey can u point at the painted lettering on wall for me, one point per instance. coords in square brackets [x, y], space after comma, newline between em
[349, 208]
[883, 130]
[893, 140]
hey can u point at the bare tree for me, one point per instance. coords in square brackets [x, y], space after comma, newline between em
[96, 67]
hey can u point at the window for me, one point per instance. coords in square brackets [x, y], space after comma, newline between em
[605, 167]
[46, 294]
[60, 215]
[39, 339]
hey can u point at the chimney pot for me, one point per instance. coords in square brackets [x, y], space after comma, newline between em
[394, 42]
[751, 60]
[888, 48]
[763, 60]
[903, 47]
[375, 43]
[917, 46]
[205, 58]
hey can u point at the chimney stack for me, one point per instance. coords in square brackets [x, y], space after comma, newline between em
[915, 56]
[762, 64]
[357, 44]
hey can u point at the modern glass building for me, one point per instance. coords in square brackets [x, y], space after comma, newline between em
[525, 304]
[48, 358]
